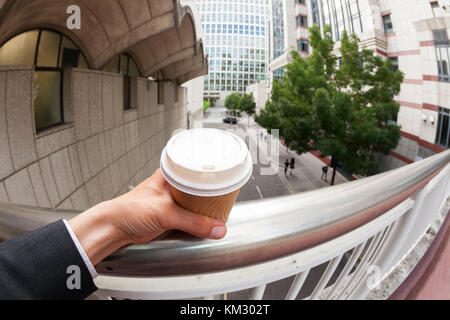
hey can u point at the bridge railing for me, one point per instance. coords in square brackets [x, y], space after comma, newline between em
[334, 240]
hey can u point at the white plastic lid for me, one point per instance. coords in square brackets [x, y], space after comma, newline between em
[206, 162]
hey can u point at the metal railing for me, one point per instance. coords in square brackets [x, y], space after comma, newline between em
[349, 229]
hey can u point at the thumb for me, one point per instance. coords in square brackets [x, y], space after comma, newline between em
[195, 224]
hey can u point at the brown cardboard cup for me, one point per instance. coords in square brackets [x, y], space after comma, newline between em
[206, 169]
[218, 207]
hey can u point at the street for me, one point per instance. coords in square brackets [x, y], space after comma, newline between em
[306, 177]
[259, 186]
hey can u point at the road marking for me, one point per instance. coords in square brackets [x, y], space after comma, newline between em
[286, 184]
[259, 191]
[253, 177]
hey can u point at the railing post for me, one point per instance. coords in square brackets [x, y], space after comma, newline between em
[409, 229]
[258, 292]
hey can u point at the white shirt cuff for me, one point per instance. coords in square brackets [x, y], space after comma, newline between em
[80, 248]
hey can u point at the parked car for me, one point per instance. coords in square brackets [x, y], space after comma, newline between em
[230, 120]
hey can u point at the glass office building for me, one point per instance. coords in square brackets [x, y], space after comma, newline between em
[278, 28]
[236, 41]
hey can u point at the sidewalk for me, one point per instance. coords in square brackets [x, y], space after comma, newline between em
[308, 168]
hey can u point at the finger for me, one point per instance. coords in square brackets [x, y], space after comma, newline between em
[195, 224]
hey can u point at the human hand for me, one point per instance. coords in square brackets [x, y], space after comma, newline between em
[139, 216]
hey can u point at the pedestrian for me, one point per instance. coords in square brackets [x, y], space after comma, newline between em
[292, 166]
[286, 167]
[324, 173]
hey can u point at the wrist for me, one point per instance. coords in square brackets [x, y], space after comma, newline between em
[97, 232]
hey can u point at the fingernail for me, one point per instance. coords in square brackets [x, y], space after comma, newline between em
[218, 232]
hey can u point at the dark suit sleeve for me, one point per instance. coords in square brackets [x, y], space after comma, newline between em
[35, 266]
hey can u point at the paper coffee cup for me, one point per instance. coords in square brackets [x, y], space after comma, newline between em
[206, 168]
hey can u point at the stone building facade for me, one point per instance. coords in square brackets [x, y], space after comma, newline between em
[112, 123]
[414, 35]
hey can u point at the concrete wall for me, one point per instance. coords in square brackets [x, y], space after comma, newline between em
[94, 158]
[261, 94]
[194, 101]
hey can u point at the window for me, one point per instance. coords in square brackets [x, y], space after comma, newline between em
[278, 28]
[303, 45]
[326, 13]
[440, 37]
[437, 10]
[315, 12]
[339, 21]
[442, 53]
[160, 92]
[278, 73]
[443, 129]
[443, 59]
[70, 56]
[50, 53]
[125, 65]
[355, 14]
[302, 21]
[394, 61]
[20, 50]
[300, 1]
[388, 27]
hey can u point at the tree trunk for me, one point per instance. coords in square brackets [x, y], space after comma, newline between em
[334, 164]
[334, 176]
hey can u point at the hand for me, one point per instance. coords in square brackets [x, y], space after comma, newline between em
[138, 217]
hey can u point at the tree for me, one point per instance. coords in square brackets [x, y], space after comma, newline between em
[232, 102]
[248, 105]
[342, 111]
[206, 105]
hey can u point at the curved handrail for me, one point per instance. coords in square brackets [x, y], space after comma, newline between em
[257, 230]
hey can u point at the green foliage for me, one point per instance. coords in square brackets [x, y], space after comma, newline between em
[247, 104]
[206, 105]
[339, 111]
[232, 102]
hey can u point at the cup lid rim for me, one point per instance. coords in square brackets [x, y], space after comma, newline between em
[240, 141]
[207, 192]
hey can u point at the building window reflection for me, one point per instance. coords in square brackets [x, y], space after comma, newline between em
[303, 45]
[388, 27]
[443, 129]
[50, 53]
[355, 16]
[236, 43]
[278, 28]
[125, 65]
[442, 44]
[278, 73]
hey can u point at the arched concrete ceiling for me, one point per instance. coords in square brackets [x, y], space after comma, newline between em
[157, 33]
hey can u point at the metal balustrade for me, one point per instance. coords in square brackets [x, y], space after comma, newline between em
[351, 229]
